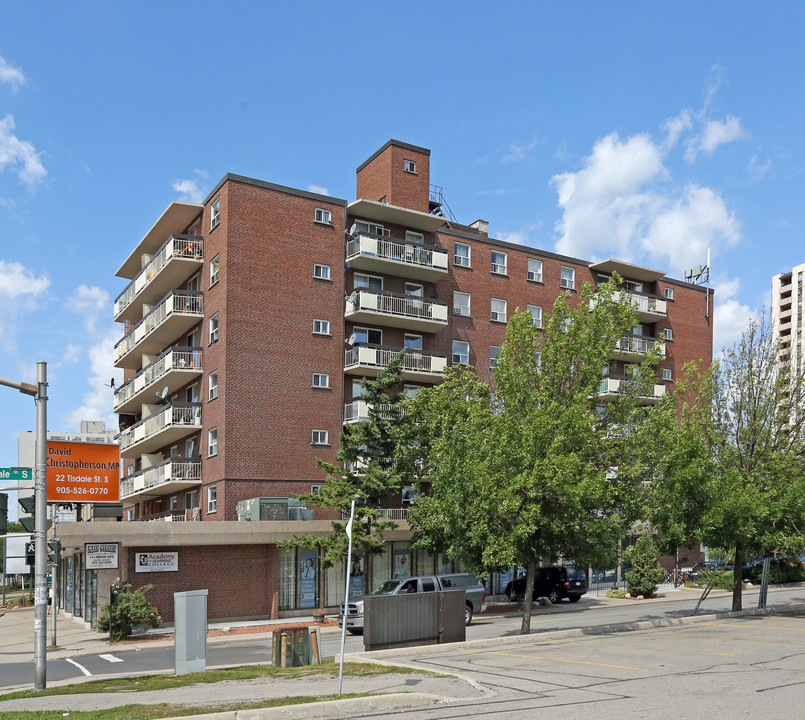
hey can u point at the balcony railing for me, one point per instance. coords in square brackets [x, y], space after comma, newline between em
[377, 252]
[610, 387]
[372, 360]
[648, 308]
[631, 345]
[161, 428]
[406, 311]
[185, 360]
[161, 479]
[172, 516]
[179, 247]
[175, 304]
[358, 411]
[389, 513]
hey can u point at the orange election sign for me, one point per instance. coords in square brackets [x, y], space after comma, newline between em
[83, 472]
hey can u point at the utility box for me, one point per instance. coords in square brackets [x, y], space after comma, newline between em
[190, 631]
[427, 618]
[272, 508]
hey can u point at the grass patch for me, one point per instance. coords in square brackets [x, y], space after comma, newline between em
[149, 712]
[142, 683]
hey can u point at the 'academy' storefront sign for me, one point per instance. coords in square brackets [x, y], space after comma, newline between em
[156, 562]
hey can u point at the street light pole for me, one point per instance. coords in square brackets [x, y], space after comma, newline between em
[39, 392]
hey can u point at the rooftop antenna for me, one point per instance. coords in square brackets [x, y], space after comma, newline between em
[699, 275]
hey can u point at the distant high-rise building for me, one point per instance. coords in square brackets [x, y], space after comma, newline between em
[786, 315]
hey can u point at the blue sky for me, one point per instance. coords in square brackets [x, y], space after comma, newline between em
[593, 129]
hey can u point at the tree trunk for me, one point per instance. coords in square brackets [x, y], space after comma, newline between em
[368, 570]
[528, 600]
[737, 584]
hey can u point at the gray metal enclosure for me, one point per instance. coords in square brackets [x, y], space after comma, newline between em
[413, 619]
[190, 631]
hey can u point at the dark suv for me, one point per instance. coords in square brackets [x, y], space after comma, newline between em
[555, 583]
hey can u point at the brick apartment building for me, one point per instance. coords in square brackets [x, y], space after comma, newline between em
[248, 322]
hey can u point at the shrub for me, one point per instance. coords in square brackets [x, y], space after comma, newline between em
[646, 572]
[127, 608]
[723, 581]
[616, 593]
[781, 570]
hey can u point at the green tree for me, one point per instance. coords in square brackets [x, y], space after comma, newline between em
[526, 472]
[127, 608]
[731, 471]
[645, 572]
[366, 471]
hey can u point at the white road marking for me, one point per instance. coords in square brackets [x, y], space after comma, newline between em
[111, 658]
[80, 667]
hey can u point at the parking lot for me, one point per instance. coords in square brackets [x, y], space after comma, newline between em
[721, 668]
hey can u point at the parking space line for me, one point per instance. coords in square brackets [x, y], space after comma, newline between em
[665, 649]
[744, 626]
[543, 657]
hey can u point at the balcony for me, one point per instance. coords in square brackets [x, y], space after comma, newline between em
[358, 411]
[175, 315]
[381, 254]
[403, 311]
[174, 369]
[649, 309]
[370, 361]
[173, 263]
[610, 388]
[633, 347]
[167, 478]
[168, 425]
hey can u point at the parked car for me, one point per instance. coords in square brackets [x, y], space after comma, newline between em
[475, 595]
[555, 583]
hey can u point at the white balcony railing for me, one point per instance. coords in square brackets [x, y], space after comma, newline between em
[160, 475]
[648, 308]
[407, 306]
[640, 345]
[375, 357]
[389, 513]
[185, 247]
[176, 415]
[176, 358]
[177, 302]
[358, 411]
[384, 248]
[614, 386]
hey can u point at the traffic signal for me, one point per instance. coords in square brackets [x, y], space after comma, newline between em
[54, 554]
[3, 513]
[30, 553]
[28, 504]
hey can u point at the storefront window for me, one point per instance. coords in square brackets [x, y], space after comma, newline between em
[68, 587]
[287, 586]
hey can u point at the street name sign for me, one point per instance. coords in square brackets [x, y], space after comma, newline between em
[16, 473]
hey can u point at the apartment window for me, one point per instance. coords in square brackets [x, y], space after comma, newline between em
[461, 352]
[568, 278]
[213, 385]
[667, 334]
[498, 310]
[367, 281]
[411, 390]
[215, 266]
[320, 437]
[212, 499]
[215, 214]
[212, 442]
[536, 315]
[667, 374]
[534, 270]
[321, 272]
[632, 286]
[321, 327]
[461, 254]
[214, 328]
[174, 504]
[315, 489]
[461, 303]
[323, 216]
[409, 166]
[669, 293]
[414, 237]
[129, 514]
[498, 262]
[367, 336]
[413, 342]
[538, 358]
[321, 380]
[369, 228]
[493, 356]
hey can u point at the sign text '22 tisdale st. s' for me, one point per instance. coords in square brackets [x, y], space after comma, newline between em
[83, 473]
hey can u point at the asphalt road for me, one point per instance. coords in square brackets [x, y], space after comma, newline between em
[590, 611]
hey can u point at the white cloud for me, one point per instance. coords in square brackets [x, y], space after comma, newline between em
[189, 190]
[715, 133]
[499, 191]
[20, 155]
[89, 302]
[757, 169]
[11, 75]
[318, 189]
[97, 403]
[524, 236]
[620, 204]
[730, 317]
[16, 280]
[518, 151]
